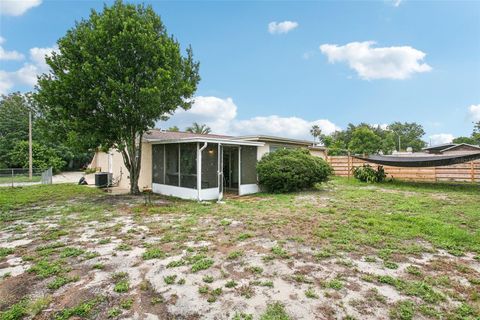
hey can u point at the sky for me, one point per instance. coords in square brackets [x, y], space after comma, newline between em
[279, 67]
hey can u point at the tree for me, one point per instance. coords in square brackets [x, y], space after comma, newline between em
[467, 140]
[43, 156]
[410, 135]
[316, 132]
[14, 109]
[198, 128]
[114, 76]
[173, 129]
[365, 141]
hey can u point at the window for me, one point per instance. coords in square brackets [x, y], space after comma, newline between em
[158, 167]
[171, 159]
[249, 165]
[210, 166]
[188, 165]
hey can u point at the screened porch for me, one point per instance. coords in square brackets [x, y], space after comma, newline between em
[204, 170]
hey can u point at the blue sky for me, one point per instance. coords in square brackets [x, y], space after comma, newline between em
[323, 62]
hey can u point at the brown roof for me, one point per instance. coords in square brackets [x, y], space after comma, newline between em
[158, 134]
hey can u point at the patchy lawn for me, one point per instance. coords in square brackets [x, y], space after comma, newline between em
[351, 251]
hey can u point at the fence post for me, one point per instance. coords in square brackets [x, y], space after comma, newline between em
[12, 178]
[472, 171]
[348, 165]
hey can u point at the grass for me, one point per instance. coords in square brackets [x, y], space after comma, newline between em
[11, 198]
[335, 231]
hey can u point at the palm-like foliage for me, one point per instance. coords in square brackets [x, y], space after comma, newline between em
[199, 128]
[316, 132]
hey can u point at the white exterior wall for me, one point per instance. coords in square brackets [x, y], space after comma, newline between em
[112, 161]
[185, 193]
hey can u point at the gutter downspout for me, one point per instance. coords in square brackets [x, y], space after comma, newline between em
[199, 169]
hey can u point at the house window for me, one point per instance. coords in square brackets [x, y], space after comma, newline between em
[172, 165]
[249, 165]
[188, 165]
[158, 167]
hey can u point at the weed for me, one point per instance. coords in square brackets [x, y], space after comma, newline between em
[310, 293]
[124, 247]
[335, 284]
[275, 311]
[235, 255]
[61, 281]
[176, 263]
[6, 251]
[231, 284]
[71, 252]
[82, 310]
[203, 289]
[207, 279]
[44, 268]
[126, 303]
[244, 236]
[413, 270]
[170, 279]
[202, 265]
[279, 252]
[153, 253]
[114, 312]
[390, 265]
[246, 291]
[403, 310]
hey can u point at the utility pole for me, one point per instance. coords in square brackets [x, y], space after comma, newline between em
[30, 157]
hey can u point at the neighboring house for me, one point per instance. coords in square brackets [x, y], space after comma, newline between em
[452, 149]
[198, 166]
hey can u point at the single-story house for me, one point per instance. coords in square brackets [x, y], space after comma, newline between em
[452, 149]
[198, 166]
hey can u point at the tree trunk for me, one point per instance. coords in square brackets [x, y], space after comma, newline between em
[132, 158]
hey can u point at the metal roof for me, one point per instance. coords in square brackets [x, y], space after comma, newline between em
[265, 138]
[167, 137]
[161, 136]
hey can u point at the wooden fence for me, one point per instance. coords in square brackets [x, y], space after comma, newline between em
[465, 172]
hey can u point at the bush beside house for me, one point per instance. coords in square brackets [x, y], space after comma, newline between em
[288, 170]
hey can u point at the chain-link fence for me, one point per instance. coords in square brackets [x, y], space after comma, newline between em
[16, 177]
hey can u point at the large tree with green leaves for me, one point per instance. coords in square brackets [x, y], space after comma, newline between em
[116, 74]
[410, 134]
[365, 141]
[14, 109]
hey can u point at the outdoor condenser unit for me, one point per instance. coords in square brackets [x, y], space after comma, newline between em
[103, 179]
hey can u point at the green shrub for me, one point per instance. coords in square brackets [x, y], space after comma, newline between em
[288, 170]
[368, 174]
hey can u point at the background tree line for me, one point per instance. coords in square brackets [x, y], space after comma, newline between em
[47, 150]
[369, 139]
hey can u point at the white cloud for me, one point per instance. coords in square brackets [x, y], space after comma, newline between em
[292, 127]
[27, 74]
[474, 112]
[281, 27]
[441, 138]
[9, 55]
[215, 112]
[377, 63]
[221, 115]
[17, 7]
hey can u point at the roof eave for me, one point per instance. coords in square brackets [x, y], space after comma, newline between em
[206, 139]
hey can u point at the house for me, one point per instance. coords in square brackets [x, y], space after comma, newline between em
[452, 149]
[198, 166]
